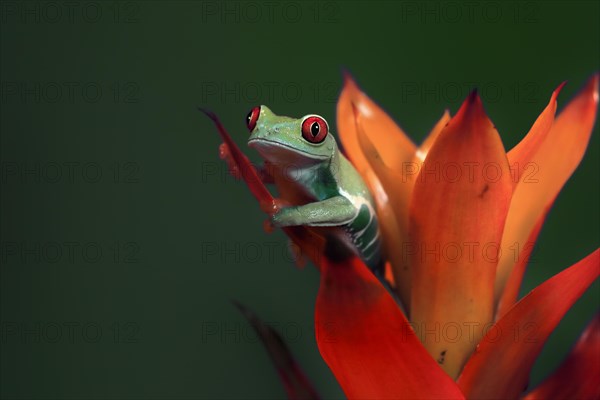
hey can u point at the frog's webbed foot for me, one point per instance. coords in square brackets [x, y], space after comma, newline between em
[269, 224]
[334, 211]
[225, 154]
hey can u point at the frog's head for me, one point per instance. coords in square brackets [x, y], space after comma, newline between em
[284, 140]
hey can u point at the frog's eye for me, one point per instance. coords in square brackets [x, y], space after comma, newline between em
[314, 129]
[252, 118]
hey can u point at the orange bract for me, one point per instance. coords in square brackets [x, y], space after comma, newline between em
[456, 222]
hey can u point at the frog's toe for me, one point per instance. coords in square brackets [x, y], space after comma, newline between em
[268, 225]
[276, 220]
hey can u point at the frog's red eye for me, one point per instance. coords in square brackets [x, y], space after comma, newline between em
[252, 118]
[314, 129]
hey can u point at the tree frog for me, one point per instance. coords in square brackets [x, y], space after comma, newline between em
[319, 186]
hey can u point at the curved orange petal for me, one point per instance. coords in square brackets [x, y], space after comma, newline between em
[423, 149]
[359, 119]
[368, 343]
[513, 285]
[552, 163]
[398, 186]
[388, 138]
[392, 210]
[457, 212]
[577, 376]
[499, 368]
[520, 155]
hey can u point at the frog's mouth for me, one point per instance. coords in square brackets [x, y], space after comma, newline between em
[280, 152]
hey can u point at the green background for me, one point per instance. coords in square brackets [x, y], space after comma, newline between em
[149, 316]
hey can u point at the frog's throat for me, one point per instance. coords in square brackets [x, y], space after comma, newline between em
[260, 143]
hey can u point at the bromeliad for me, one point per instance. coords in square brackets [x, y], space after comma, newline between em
[442, 238]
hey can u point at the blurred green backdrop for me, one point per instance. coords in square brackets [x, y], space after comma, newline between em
[123, 238]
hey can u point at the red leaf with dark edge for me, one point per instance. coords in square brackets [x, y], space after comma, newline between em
[500, 367]
[577, 376]
[456, 221]
[295, 381]
[368, 343]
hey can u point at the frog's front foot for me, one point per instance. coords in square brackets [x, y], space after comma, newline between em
[275, 219]
[225, 154]
[286, 216]
[268, 225]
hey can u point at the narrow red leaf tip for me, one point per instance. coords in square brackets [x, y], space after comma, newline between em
[245, 167]
[577, 376]
[297, 385]
[368, 343]
[500, 366]
[474, 97]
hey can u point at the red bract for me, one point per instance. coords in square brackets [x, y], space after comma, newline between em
[467, 300]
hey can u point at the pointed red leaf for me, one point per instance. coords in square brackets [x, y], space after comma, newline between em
[297, 385]
[577, 376]
[499, 368]
[368, 343]
[457, 212]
